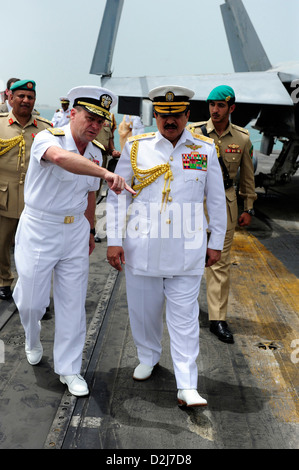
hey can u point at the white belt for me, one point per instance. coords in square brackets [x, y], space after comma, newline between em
[63, 219]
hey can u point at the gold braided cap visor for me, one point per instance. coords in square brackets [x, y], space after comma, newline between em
[170, 108]
[92, 108]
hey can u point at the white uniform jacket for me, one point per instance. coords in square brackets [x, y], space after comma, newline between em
[49, 187]
[169, 239]
[61, 118]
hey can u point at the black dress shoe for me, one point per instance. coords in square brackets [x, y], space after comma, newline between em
[97, 239]
[5, 293]
[220, 329]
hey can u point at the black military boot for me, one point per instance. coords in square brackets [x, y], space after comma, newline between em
[220, 329]
[5, 293]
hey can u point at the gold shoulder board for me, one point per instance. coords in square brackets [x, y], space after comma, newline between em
[98, 144]
[240, 129]
[39, 118]
[55, 131]
[204, 138]
[192, 125]
[141, 136]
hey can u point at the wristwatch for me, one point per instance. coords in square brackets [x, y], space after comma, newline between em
[93, 231]
[250, 212]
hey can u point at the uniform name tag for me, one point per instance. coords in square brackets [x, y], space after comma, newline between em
[194, 161]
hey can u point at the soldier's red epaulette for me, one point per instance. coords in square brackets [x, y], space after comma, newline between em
[208, 140]
[98, 144]
[56, 131]
[141, 136]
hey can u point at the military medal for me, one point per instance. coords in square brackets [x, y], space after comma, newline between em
[233, 148]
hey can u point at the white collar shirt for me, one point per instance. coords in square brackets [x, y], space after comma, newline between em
[52, 189]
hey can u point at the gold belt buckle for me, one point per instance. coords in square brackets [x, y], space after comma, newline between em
[69, 219]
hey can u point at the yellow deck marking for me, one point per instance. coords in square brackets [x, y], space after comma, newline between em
[264, 307]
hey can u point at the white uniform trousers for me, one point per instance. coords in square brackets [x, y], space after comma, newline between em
[42, 248]
[146, 296]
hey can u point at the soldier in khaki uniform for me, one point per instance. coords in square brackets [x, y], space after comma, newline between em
[110, 155]
[234, 151]
[106, 138]
[17, 131]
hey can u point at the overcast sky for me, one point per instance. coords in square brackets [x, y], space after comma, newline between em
[53, 42]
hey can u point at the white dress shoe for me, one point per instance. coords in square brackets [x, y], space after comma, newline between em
[143, 372]
[35, 354]
[190, 398]
[76, 384]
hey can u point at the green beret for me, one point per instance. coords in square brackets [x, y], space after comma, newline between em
[221, 93]
[28, 85]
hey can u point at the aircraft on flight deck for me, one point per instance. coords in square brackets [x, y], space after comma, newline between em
[269, 95]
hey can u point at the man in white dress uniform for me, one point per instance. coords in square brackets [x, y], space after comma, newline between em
[165, 241]
[56, 231]
[62, 116]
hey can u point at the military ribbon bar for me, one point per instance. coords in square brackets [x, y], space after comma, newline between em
[194, 161]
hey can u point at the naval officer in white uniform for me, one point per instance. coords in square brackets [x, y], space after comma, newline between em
[56, 231]
[62, 116]
[164, 245]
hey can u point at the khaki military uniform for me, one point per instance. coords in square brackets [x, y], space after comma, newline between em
[104, 136]
[15, 146]
[235, 147]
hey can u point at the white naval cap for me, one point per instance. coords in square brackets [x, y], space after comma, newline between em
[63, 99]
[94, 99]
[170, 99]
